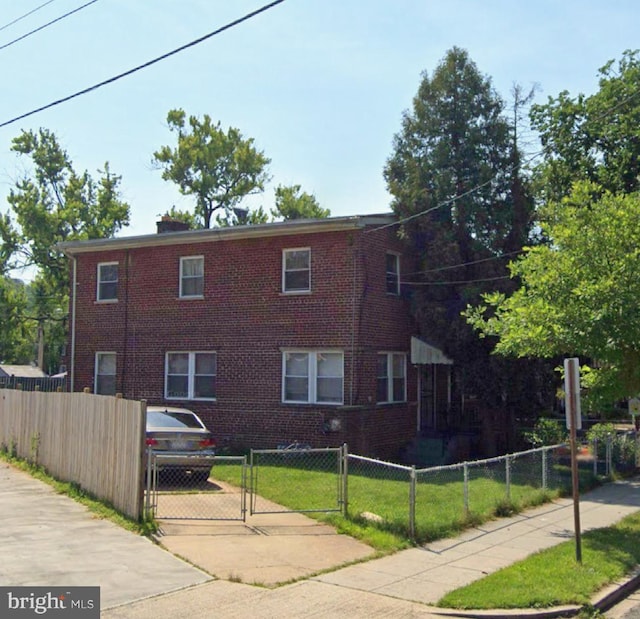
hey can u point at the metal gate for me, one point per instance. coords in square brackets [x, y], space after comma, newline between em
[290, 473]
[173, 491]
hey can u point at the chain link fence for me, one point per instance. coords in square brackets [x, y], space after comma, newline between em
[303, 479]
[423, 504]
[175, 491]
[426, 503]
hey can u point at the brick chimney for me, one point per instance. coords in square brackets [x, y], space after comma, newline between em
[167, 224]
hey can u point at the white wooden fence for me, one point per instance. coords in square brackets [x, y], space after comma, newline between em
[95, 441]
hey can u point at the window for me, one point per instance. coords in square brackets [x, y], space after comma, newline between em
[296, 270]
[192, 277]
[190, 376]
[107, 281]
[392, 384]
[105, 378]
[393, 274]
[314, 377]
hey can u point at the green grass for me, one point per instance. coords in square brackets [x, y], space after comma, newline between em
[98, 508]
[440, 510]
[553, 577]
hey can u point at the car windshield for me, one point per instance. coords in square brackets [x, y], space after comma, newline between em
[171, 419]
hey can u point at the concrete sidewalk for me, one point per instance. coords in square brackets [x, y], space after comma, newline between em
[49, 539]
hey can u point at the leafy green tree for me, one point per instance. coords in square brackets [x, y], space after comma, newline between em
[217, 168]
[17, 334]
[594, 138]
[578, 294]
[293, 203]
[53, 203]
[457, 184]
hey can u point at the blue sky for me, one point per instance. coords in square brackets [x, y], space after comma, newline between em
[319, 84]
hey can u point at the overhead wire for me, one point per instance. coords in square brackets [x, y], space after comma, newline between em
[17, 19]
[510, 169]
[115, 78]
[57, 19]
[457, 283]
[464, 264]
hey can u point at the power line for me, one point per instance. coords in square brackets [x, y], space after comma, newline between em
[24, 36]
[236, 22]
[464, 264]
[458, 283]
[507, 170]
[25, 15]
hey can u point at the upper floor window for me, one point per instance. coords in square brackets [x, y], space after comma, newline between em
[313, 376]
[393, 273]
[191, 276]
[105, 373]
[107, 281]
[392, 381]
[190, 376]
[296, 270]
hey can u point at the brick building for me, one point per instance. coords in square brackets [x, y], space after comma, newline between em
[272, 333]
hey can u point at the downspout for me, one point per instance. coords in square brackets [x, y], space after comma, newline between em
[72, 358]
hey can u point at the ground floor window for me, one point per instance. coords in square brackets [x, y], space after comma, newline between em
[313, 376]
[105, 373]
[190, 376]
[392, 381]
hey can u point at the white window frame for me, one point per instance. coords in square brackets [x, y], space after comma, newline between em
[285, 253]
[312, 376]
[100, 281]
[390, 377]
[392, 276]
[96, 375]
[183, 260]
[191, 374]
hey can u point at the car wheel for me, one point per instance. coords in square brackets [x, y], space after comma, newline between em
[200, 477]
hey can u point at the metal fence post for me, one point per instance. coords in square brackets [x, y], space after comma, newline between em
[412, 502]
[608, 456]
[595, 456]
[507, 475]
[251, 484]
[465, 468]
[345, 480]
[545, 465]
[147, 498]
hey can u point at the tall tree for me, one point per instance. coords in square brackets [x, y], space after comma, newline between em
[594, 138]
[578, 293]
[17, 335]
[293, 203]
[50, 204]
[457, 184]
[54, 203]
[218, 168]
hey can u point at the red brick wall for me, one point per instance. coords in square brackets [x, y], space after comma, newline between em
[246, 319]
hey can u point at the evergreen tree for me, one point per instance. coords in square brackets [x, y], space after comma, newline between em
[456, 183]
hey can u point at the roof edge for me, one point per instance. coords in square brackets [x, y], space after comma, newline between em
[282, 228]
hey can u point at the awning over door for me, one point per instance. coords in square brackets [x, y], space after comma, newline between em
[424, 354]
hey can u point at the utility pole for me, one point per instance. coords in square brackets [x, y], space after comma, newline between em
[40, 345]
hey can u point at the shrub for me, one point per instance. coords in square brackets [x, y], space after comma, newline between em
[547, 432]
